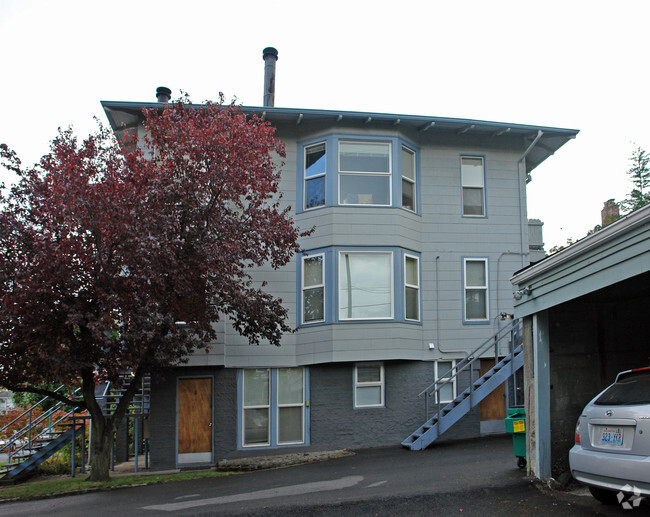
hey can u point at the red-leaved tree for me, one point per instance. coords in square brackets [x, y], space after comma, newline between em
[105, 248]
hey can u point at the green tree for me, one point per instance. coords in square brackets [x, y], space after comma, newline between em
[639, 173]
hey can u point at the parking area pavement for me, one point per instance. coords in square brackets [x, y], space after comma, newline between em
[475, 477]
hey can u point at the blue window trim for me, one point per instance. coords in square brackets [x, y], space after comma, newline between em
[460, 173]
[331, 141]
[487, 297]
[273, 411]
[331, 269]
[325, 273]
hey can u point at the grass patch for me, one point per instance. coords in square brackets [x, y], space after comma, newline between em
[47, 488]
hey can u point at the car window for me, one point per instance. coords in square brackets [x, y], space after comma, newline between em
[630, 390]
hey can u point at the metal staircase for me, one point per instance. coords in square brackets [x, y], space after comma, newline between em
[43, 435]
[506, 342]
[48, 432]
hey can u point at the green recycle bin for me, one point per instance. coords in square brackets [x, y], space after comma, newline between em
[516, 426]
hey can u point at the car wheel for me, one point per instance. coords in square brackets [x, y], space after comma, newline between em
[603, 495]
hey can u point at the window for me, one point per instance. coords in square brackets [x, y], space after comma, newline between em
[369, 385]
[256, 407]
[473, 181]
[291, 406]
[476, 289]
[408, 179]
[364, 173]
[411, 288]
[315, 168]
[443, 372]
[365, 285]
[273, 406]
[313, 289]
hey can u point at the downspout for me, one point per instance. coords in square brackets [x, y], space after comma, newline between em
[521, 171]
[464, 352]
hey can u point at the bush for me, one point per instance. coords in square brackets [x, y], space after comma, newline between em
[59, 462]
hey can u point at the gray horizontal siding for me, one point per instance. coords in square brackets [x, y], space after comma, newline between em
[439, 230]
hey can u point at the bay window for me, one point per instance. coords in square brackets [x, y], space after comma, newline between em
[408, 179]
[315, 168]
[365, 285]
[364, 173]
[411, 288]
[313, 289]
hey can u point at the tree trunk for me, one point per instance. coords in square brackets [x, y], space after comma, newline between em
[104, 427]
[100, 450]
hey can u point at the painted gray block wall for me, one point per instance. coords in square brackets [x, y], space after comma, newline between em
[334, 423]
[163, 413]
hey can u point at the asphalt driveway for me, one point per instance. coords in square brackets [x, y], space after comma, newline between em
[476, 477]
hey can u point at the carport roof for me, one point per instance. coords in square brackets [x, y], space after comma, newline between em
[128, 114]
[618, 252]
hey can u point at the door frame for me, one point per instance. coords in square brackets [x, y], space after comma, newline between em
[208, 458]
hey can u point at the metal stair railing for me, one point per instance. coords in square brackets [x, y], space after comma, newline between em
[433, 390]
[22, 443]
[449, 413]
[138, 408]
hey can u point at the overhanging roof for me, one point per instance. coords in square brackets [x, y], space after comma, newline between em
[128, 114]
[618, 252]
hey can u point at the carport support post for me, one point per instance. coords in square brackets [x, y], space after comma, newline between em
[542, 389]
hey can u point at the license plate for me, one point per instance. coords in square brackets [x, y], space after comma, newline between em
[612, 437]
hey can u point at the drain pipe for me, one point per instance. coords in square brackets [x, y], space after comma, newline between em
[523, 180]
[440, 349]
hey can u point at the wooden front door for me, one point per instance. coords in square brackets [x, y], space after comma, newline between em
[195, 420]
[493, 407]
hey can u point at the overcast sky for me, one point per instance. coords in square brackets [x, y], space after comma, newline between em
[571, 64]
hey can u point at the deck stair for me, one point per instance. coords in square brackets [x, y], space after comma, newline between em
[505, 347]
[49, 431]
[44, 434]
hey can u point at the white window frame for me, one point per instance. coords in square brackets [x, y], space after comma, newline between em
[392, 285]
[413, 180]
[411, 286]
[320, 175]
[476, 288]
[295, 404]
[438, 372]
[388, 174]
[305, 288]
[258, 406]
[381, 383]
[464, 186]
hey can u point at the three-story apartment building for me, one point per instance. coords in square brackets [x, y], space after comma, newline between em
[419, 224]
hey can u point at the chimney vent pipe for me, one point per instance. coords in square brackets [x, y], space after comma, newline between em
[163, 94]
[270, 56]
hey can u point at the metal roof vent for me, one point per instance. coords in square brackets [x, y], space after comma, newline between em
[163, 94]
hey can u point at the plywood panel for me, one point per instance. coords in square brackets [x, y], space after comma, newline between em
[493, 407]
[194, 415]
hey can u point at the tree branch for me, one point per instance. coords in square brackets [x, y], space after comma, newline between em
[47, 393]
